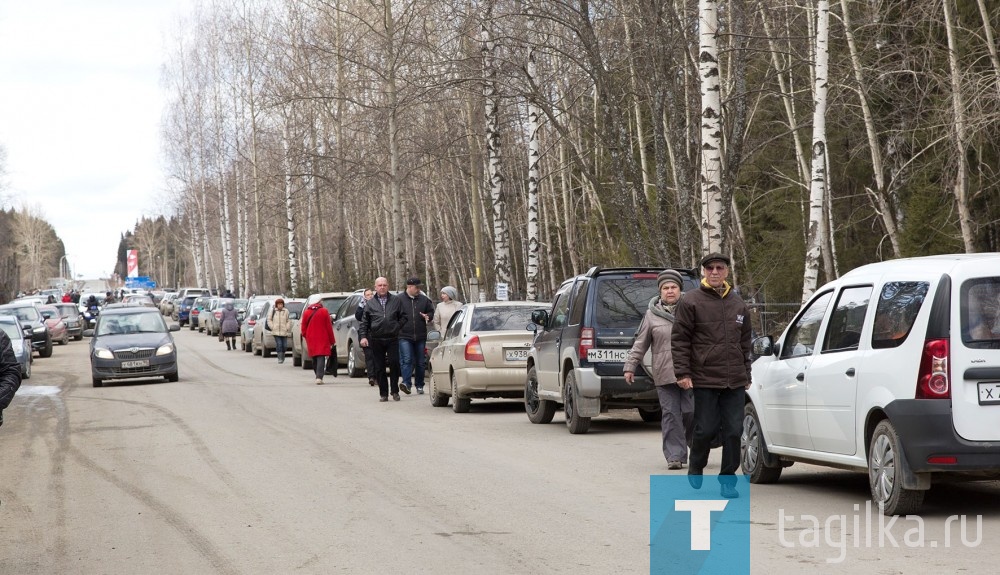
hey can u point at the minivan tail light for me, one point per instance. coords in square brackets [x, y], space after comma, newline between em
[586, 342]
[933, 381]
[474, 350]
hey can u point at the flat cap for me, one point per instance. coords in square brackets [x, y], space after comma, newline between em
[715, 256]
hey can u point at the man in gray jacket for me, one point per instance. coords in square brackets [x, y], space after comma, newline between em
[10, 373]
[676, 404]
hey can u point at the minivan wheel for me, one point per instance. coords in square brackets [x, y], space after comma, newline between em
[885, 475]
[26, 372]
[458, 404]
[753, 451]
[47, 350]
[538, 410]
[574, 421]
[98, 382]
[296, 359]
[650, 415]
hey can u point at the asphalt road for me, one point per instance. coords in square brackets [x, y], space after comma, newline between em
[247, 466]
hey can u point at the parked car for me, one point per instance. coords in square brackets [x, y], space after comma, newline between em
[893, 370]
[263, 342]
[70, 314]
[213, 321]
[54, 321]
[332, 301]
[182, 311]
[132, 342]
[207, 314]
[167, 303]
[483, 353]
[30, 317]
[20, 338]
[196, 309]
[246, 328]
[582, 342]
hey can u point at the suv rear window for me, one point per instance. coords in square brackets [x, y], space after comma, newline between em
[621, 302]
[898, 305]
[980, 311]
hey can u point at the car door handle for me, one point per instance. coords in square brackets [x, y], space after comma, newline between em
[800, 376]
[850, 372]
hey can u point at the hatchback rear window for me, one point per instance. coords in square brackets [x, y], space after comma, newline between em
[980, 311]
[621, 302]
[898, 306]
[501, 318]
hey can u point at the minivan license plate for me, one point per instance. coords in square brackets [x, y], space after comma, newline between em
[607, 355]
[989, 393]
[135, 363]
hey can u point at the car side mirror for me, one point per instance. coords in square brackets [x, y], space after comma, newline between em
[434, 335]
[293, 315]
[539, 317]
[764, 346]
[174, 327]
[27, 331]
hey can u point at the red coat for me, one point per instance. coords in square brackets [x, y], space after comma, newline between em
[317, 330]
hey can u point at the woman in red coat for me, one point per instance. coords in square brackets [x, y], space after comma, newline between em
[317, 330]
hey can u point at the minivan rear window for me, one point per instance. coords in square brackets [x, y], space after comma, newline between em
[898, 306]
[622, 302]
[980, 310]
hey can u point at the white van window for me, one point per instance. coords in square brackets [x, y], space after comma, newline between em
[802, 336]
[898, 306]
[980, 310]
[844, 331]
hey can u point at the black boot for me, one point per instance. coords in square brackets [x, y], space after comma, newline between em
[227, 345]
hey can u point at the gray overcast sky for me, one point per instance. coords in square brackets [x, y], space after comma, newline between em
[80, 109]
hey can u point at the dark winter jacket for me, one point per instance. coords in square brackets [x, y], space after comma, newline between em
[414, 325]
[711, 339]
[10, 373]
[381, 321]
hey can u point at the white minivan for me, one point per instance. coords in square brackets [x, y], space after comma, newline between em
[893, 369]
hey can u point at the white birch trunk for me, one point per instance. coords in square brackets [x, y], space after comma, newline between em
[533, 179]
[712, 205]
[817, 189]
[495, 180]
[293, 257]
[960, 137]
[991, 44]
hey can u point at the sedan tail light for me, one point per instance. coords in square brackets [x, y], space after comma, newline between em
[474, 350]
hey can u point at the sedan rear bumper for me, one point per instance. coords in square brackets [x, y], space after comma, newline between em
[491, 382]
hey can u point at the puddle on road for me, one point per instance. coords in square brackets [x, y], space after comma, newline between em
[38, 390]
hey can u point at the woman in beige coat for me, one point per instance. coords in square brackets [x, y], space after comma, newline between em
[676, 404]
[447, 308]
[281, 328]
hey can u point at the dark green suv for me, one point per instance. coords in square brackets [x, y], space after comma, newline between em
[582, 342]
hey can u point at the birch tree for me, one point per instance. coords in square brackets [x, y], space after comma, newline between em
[818, 181]
[712, 205]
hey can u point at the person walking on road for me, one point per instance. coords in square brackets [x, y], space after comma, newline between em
[10, 373]
[229, 325]
[676, 404]
[369, 362]
[712, 354]
[317, 330]
[418, 312]
[281, 327]
[446, 308]
[379, 328]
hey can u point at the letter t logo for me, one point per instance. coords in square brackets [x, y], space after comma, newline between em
[701, 519]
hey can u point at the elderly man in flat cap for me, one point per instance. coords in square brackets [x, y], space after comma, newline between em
[676, 404]
[711, 351]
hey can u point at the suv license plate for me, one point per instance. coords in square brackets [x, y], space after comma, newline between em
[515, 355]
[135, 363]
[607, 355]
[989, 393]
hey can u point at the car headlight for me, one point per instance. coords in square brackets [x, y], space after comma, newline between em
[38, 330]
[165, 349]
[104, 353]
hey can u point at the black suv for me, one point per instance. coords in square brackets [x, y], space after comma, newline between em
[582, 343]
[29, 317]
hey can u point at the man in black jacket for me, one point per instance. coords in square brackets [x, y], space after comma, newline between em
[379, 329]
[10, 373]
[418, 311]
[368, 294]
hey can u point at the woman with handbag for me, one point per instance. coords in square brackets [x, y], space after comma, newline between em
[317, 330]
[229, 325]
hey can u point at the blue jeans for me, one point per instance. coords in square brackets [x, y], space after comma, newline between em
[411, 361]
[280, 345]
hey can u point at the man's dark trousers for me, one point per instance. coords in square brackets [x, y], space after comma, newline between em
[712, 408]
[385, 352]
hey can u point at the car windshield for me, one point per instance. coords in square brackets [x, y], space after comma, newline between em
[22, 313]
[501, 318]
[68, 310]
[295, 306]
[332, 304]
[12, 330]
[622, 302]
[120, 324]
